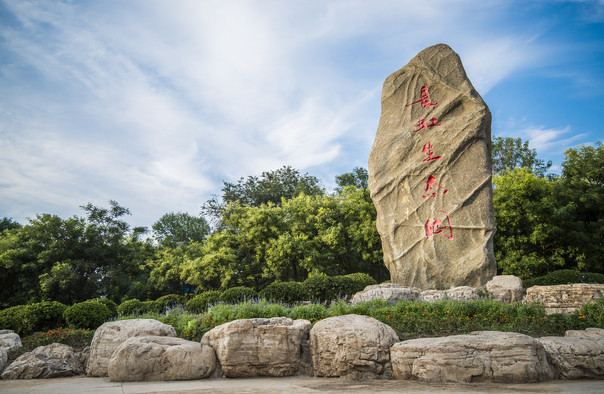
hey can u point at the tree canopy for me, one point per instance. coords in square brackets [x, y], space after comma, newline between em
[509, 153]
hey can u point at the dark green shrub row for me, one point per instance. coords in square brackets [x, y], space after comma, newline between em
[563, 277]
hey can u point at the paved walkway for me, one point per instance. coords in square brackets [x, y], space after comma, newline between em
[287, 385]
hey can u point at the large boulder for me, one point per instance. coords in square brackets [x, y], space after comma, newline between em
[460, 293]
[161, 358]
[391, 292]
[430, 175]
[484, 356]
[108, 337]
[352, 346]
[9, 340]
[259, 347]
[577, 355]
[51, 361]
[564, 299]
[505, 288]
[3, 358]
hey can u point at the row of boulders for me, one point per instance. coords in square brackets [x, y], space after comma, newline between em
[505, 288]
[352, 346]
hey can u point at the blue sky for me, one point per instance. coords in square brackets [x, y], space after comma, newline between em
[154, 103]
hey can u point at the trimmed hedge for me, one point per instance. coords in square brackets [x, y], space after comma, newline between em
[12, 318]
[130, 307]
[87, 315]
[108, 303]
[201, 302]
[563, 277]
[361, 280]
[238, 294]
[43, 316]
[170, 300]
[286, 292]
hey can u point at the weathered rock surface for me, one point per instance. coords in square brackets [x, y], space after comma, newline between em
[482, 356]
[259, 347]
[352, 346]
[564, 298]
[459, 293]
[430, 175]
[9, 340]
[505, 288]
[51, 361]
[577, 355]
[391, 292]
[161, 358]
[3, 358]
[108, 337]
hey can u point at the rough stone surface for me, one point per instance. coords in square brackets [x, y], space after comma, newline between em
[564, 298]
[460, 293]
[505, 288]
[577, 355]
[51, 361]
[391, 292]
[259, 347]
[161, 358]
[484, 356]
[9, 340]
[108, 337]
[3, 358]
[418, 178]
[352, 346]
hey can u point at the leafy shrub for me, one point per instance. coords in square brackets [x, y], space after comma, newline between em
[342, 286]
[109, 304]
[312, 312]
[319, 288]
[286, 292]
[12, 318]
[87, 314]
[151, 307]
[42, 316]
[130, 307]
[200, 302]
[170, 300]
[361, 280]
[77, 338]
[593, 313]
[238, 294]
[563, 277]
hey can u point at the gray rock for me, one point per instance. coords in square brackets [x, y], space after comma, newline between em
[460, 293]
[505, 288]
[432, 185]
[577, 355]
[259, 347]
[352, 346]
[391, 292]
[51, 361]
[9, 340]
[3, 358]
[109, 336]
[161, 358]
[564, 299]
[484, 356]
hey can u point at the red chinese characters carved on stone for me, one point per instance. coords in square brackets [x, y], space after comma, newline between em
[423, 125]
[428, 151]
[432, 186]
[435, 228]
[424, 99]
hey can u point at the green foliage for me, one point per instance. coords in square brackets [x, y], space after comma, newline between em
[361, 280]
[592, 313]
[509, 153]
[174, 229]
[12, 318]
[343, 286]
[170, 300]
[131, 307]
[43, 316]
[8, 224]
[151, 306]
[200, 302]
[112, 306]
[76, 338]
[319, 288]
[563, 277]
[238, 294]
[312, 312]
[357, 178]
[286, 292]
[87, 315]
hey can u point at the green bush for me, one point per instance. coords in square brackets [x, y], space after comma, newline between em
[108, 303]
[342, 286]
[130, 307]
[151, 307]
[170, 301]
[43, 316]
[312, 312]
[87, 315]
[238, 294]
[319, 288]
[12, 318]
[593, 313]
[361, 280]
[563, 277]
[286, 292]
[201, 302]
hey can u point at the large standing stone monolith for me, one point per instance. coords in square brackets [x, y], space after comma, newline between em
[430, 175]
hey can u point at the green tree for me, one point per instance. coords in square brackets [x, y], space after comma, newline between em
[358, 178]
[509, 153]
[174, 229]
[8, 224]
